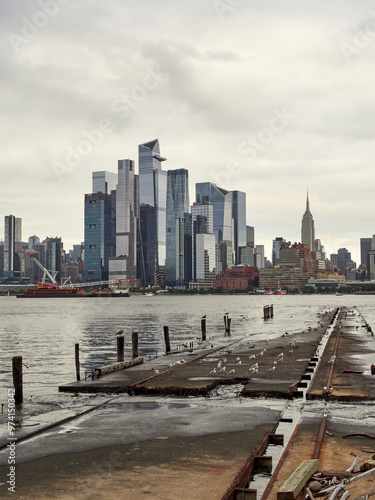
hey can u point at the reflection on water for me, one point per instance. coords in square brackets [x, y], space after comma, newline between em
[44, 331]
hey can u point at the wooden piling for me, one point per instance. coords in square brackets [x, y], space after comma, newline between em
[203, 326]
[76, 351]
[228, 325]
[166, 338]
[17, 379]
[134, 345]
[120, 349]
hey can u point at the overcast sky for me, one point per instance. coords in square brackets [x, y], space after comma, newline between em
[270, 97]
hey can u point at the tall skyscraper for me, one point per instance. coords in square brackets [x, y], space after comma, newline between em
[152, 211]
[239, 221]
[200, 210]
[307, 228]
[100, 242]
[366, 246]
[124, 264]
[221, 201]
[9, 243]
[177, 207]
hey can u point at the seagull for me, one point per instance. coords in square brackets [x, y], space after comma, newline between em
[332, 360]
[253, 370]
[120, 332]
[275, 363]
[239, 362]
[237, 359]
[213, 371]
[281, 355]
[232, 371]
[157, 371]
[255, 365]
[291, 351]
[203, 316]
[252, 356]
[224, 360]
[223, 369]
[293, 344]
[272, 369]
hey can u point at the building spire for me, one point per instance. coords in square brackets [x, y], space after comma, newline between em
[307, 203]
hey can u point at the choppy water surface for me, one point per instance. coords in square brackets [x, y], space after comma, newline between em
[44, 331]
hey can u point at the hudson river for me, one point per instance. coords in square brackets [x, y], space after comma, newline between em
[44, 331]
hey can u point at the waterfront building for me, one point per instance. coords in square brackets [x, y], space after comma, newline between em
[250, 236]
[237, 278]
[239, 222]
[100, 235]
[178, 226]
[123, 264]
[104, 182]
[307, 227]
[221, 201]
[294, 268]
[152, 211]
[366, 246]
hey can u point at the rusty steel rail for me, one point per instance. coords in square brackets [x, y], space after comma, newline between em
[247, 469]
[328, 389]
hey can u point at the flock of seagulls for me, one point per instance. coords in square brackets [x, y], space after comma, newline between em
[254, 365]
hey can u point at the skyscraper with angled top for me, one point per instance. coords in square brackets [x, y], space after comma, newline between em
[307, 228]
[152, 212]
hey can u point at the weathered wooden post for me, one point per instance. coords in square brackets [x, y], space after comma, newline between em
[17, 379]
[135, 345]
[76, 351]
[120, 348]
[271, 310]
[203, 325]
[166, 338]
[228, 325]
[266, 312]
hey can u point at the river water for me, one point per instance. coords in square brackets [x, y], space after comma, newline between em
[44, 331]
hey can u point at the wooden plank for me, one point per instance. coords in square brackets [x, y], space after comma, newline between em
[119, 366]
[296, 481]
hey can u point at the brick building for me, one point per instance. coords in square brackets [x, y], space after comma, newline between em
[237, 278]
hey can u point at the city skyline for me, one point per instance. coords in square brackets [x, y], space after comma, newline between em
[269, 110]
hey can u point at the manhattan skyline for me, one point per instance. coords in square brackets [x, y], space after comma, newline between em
[271, 110]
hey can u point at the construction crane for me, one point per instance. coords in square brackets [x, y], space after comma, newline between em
[68, 284]
[50, 274]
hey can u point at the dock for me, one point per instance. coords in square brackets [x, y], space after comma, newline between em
[212, 422]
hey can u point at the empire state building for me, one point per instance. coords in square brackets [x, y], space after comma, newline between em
[307, 228]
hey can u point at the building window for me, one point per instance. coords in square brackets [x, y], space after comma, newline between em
[92, 246]
[92, 201]
[91, 226]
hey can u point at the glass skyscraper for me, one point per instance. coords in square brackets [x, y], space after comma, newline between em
[100, 239]
[124, 265]
[239, 222]
[9, 242]
[221, 201]
[177, 225]
[152, 211]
